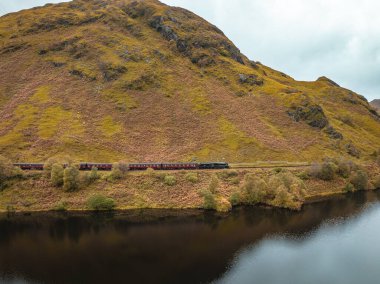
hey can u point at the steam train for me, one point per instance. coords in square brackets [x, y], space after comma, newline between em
[134, 166]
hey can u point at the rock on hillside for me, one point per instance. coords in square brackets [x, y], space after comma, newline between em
[142, 81]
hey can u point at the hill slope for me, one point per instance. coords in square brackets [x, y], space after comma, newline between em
[376, 104]
[142, 81]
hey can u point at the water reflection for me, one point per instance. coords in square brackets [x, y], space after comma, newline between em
[339, 252]
[190, 246]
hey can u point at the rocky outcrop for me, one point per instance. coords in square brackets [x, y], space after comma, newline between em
[313, 115]
[252, 80]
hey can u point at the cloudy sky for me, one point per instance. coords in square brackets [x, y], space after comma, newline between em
[339, 39]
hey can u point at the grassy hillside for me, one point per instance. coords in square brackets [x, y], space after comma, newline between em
[142, 81]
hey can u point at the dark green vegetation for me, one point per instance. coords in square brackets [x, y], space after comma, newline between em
[129, 80]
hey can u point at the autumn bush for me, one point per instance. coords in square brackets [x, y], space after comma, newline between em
[56, 174]
[214, 184]
[209, 201]
[92, 176]
[71, 178]
[116, 173]
[170, 180]
[254, 189]
[359, 180]
[324, 171]
[192, 177]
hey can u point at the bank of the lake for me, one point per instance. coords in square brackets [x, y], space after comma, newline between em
[172, 190]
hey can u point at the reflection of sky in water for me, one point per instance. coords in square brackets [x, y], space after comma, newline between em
[338, 253]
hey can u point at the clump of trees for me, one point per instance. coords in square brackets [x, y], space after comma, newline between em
[283, 189]
[356, 176]
[68, 177]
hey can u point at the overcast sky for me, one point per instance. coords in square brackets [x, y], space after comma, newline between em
[339, 39]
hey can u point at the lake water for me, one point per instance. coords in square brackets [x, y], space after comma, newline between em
[336, 241]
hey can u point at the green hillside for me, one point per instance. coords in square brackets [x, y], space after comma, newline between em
[142, 81]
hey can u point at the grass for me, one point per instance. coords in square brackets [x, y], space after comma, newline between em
[109, 127]
[41, 95]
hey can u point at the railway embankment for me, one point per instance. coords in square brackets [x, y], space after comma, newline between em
[284, 187]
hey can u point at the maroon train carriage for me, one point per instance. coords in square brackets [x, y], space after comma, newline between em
[30, 166]
[180, 166]
[144, 166]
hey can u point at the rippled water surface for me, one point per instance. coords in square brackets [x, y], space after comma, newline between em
[337, 241]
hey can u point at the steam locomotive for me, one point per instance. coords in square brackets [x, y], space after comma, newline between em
[134, 166]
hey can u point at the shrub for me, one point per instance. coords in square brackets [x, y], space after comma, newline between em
[150, 172]
[124, 168]
[324, 171]
[228, 174]
[116, 173]
[170, 180]
[91, 177]
[289, 190]
[94, 175]
[235, 181]
[56, 175]
[223, 205]
[48, 166]
[60, 206]
[209, 201]
[359, 180]
[349, 187]
[284, 199]
[192, 177]
[214, 184]
[99, 202]
[344, 168]
[255, 189]
[235, 198]
[277, 170]
[70, 178]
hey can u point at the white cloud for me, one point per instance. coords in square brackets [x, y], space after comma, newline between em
[306, 39]
[8, 6]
